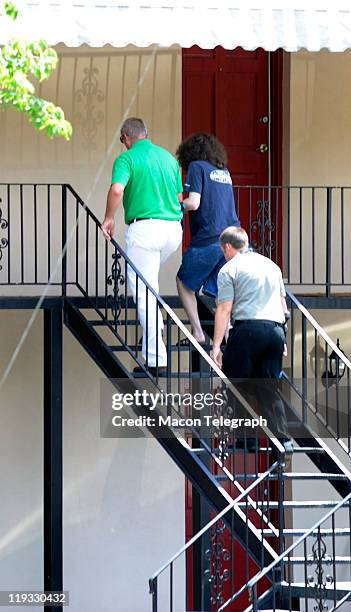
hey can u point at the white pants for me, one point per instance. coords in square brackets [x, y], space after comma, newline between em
[149, 243]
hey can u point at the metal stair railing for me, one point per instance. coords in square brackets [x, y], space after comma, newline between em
[69, 252]
[120, 317]
[285, 223]
[214, 446]
[277, 535]
[322, 397]
[220, 566]
[89, 266]
[318, 573]
[116, 314]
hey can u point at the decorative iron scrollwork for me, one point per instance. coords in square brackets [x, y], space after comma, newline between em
[217, 556]
[116, 279]
[3, 241]
[263, 228]
[223, 434]
[319, 558]
[91, 118]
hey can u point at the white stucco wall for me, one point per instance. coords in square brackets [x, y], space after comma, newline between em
[123, 499]
[120, 524]
[317, 152]
[98, 89]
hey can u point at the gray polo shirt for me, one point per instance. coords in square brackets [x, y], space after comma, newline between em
[255, 285]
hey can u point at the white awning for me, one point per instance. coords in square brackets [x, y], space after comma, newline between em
[207, 23]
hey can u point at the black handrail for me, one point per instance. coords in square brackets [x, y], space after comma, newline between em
[302, 228]
[86, 267]
[223, 532]
[284, 562]
[324, 395]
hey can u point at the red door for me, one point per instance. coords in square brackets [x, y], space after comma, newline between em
[226, 93]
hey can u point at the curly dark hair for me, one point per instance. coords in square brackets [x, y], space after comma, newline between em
[201, 147]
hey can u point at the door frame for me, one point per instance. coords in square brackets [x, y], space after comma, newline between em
[276, 97]
[276, 60]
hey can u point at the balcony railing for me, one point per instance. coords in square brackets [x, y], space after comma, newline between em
[304, 229]
[321, 397]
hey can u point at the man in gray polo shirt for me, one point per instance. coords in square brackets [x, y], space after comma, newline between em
[251, 293]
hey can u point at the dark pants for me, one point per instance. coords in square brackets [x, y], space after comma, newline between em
[254, 351]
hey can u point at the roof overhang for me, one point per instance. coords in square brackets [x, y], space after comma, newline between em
[207, 23]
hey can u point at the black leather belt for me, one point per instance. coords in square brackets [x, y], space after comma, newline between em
[240, 321]
[148, 219]
[138, 219]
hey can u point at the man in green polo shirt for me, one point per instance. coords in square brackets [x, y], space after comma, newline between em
[146, 178]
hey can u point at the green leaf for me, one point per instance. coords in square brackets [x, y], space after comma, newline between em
[11, 10]
[19, 62]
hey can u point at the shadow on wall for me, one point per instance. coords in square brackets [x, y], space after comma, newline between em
[97, 88]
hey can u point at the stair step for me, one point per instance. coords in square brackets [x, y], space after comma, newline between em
[339, 586]
[179, 375]
[264, 449]
[338, 531]
[292, 476]
[294, 424]
[308, 449]
[174, 348]
[122, 322]
[230, 450]
[326, 561]
[273, 505]
[310, 475]
[135, 321]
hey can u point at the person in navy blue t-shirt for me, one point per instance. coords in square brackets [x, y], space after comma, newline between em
[211, 208]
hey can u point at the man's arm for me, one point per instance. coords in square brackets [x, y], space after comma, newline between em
[284, 306]
[114, 199]
[222, 317]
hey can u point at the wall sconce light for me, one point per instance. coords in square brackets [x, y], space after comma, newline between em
[336, 368]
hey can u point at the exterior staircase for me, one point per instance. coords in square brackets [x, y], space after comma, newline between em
[264, 542]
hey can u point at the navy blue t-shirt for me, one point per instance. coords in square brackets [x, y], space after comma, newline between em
[217, 207]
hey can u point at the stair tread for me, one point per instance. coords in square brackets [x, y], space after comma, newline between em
[327, 561]
[305, 504]
[314, 475]
[185, 375]
[293, 476]
[308, 449]
[339, 585]
[174, 348]
[300, 532]
[230, 450]
[123, 322]
[264, 449]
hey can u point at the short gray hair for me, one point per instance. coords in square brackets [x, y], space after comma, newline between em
[235, 236]
[134, 127]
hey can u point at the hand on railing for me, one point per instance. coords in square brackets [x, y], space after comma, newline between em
[108, 227]
[216, 355]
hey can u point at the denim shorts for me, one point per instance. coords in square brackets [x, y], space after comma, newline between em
[200, 267]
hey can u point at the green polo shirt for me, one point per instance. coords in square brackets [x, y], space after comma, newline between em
[152, 182]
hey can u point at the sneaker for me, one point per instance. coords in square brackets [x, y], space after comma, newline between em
[288, 445]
